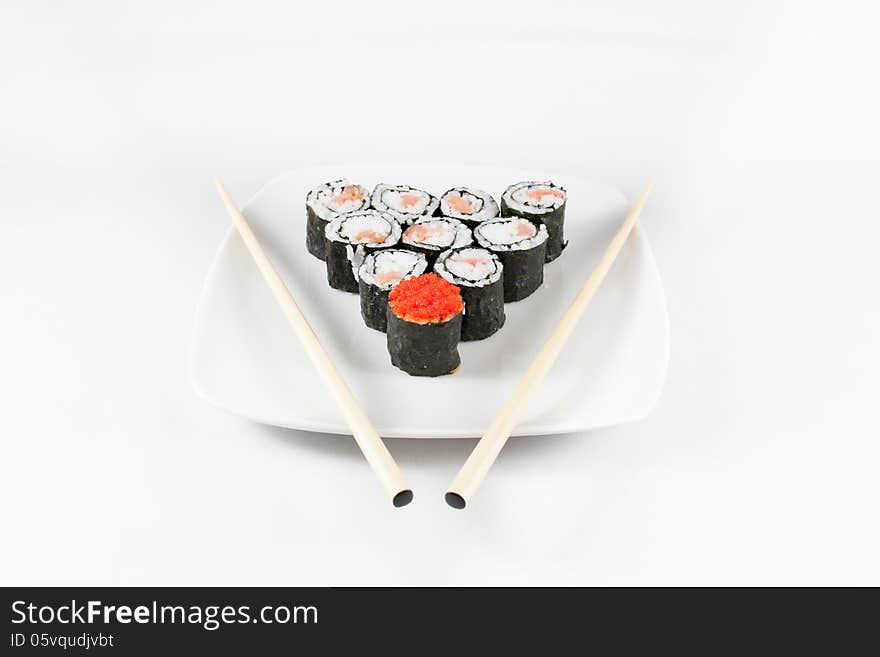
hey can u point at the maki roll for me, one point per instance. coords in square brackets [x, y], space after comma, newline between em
[381, 271]
[432, 236]
[404, 203]
[325, 203]
[424, 326]
[468, 205]
[521, 246]
[349, 238]
[541, 202]
[478, 273]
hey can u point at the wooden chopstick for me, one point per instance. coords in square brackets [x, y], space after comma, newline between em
[472, 473]
[367, 438]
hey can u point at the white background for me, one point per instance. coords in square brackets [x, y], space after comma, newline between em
[759, 122]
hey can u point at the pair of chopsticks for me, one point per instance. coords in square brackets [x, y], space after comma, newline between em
[472, 473]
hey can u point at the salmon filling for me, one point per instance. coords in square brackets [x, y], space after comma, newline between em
[385, 277]
[350, 193]
[460, 204]
[369, 237]
[409, 200]
[440, 233]
[538, 194]
[427, 233]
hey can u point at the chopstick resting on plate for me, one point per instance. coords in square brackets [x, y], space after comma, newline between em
[472, 473]
[367, 438]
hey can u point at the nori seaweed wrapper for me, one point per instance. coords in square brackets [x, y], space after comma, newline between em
[523, 271]
[430, 254]
[470, 223]
[374, 305]
[315, 241]
[340, 270]
[483, 310]
[424, 349]
[554, 221]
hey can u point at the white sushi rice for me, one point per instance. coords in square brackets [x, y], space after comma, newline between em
[325, 199]
[483, 205]
[438, 233]
[404, 203]
[516, 197]
[364, 227]
[470, 266]
[359, 230]
[509, 234]
[387, 268]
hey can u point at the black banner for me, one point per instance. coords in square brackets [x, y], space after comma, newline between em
[148, 621]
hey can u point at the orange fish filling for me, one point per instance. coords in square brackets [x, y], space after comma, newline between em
[538, 193]
[408, 200]
[471, 262]
[387, 277]
[369, 236]
[350, 193]
[425, 299]
[423, 232]
[460, 204]
[525, 229]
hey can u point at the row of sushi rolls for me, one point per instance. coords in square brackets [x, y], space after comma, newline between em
[433, 271]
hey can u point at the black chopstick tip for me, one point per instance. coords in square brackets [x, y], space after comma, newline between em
[455, 500]
[403, 498]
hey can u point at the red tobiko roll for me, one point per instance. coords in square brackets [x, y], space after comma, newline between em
[424, 325]
[425, 299]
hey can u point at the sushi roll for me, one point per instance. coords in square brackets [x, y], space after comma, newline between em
[540, 202]
[478, 273]
[424, 326]
[325, 203]
[434, 235]
[404, 203]
[468, 205]
[350, 237]
[521, 246]
[381, 271]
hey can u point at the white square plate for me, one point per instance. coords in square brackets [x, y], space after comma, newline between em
[247, 360]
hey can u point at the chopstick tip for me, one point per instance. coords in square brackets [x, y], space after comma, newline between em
[455, 500]
[402, 498]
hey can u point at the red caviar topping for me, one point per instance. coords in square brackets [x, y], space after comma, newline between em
[426, 298]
